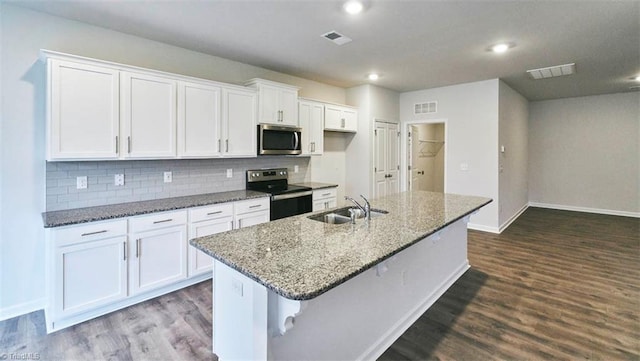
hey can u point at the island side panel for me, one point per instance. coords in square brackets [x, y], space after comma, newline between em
[240, 307]
[361, 318]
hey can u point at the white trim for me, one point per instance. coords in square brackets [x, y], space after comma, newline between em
[611, 212]
[22, 309]
[513, 218]
[483, 228]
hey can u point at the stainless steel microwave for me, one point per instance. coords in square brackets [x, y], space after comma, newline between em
[279, 140]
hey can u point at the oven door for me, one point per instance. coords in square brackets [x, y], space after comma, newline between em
[291, 204]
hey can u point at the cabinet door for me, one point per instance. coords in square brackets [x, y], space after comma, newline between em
[89, 275]
[251, 219]
[83, 108]
[158, 258]
[332, 117]
[149, 116]
[200, 262]
[311, 118]
[269, 105]
[350, 117]
[288, 101]
[239, 123]
[198, 120]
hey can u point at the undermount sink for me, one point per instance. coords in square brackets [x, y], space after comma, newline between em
[342, 215]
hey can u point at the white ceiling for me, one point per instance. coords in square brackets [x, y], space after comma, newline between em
[412, 44]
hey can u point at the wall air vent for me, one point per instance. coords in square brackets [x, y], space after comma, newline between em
[425, 108]
[336, 38]
[552, 71]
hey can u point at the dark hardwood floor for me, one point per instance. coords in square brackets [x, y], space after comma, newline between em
[554, 285]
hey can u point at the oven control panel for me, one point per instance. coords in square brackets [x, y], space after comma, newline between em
[260, 175]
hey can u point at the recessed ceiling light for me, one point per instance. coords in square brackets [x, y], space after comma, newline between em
[353, 7]
[501, 48]
[373, 76]
[636, 78]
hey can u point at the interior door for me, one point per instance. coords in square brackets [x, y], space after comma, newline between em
[386, 158]
[414, 183]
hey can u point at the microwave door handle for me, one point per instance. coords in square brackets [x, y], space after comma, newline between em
[296, 140]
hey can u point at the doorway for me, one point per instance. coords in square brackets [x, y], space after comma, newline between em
[426, 156]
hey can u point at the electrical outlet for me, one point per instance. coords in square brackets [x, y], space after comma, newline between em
[229, 173]
[296, 169]
[118, 179]
[464, 167]
[168, 177]
[236, 286]
[81, 182]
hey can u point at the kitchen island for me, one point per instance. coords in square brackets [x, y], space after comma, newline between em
[297, 288]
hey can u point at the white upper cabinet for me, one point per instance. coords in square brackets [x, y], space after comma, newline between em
[83, 111]
[277, 103]
[340, 118]
[198, 120]
[98, 110]
[148, 115]
[311, 120]
[239, 125]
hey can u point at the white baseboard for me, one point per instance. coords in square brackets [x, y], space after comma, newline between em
[513, 218]
[483, 228]
[21, 309]
[585, 209]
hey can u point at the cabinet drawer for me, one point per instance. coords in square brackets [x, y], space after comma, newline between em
[210, 212]
[157, 220]
[89, 232]
[252, 205]
[325, 193]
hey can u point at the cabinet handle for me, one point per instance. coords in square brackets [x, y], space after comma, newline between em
[124, 249]
[117, 145]
[212, 213]
[226, 149]
[129, 144]
[313, 146]
[255, 206]
[342, 122]
[326, 194]
[163, 221]
[138, 248]
[92, 233]
[218, 145]
[280, 115]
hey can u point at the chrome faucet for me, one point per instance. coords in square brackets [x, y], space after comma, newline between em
[366, 209]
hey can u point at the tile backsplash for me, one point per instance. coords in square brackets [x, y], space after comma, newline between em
[143, 179]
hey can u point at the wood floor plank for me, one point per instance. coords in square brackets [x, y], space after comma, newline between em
[556, 285]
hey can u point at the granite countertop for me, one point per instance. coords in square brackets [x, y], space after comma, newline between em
[315, 185]
[99, 213]
[300, 258]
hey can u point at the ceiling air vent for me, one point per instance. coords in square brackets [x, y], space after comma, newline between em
[336, 37]
[425, 108]
[552, 71]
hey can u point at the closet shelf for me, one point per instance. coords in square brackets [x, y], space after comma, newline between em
[429, 148]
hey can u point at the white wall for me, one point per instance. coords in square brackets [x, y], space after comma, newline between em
[330, 167]
[584, 153]
[373, 102]
[22, 180]
[513, 163]
[471, 113]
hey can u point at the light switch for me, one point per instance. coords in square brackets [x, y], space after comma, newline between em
[118, 180]
[229, 173]
[296, 169]
[168, 177]
[502, 149]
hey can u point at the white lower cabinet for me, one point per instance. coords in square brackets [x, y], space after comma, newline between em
[205, 221]
[158, 250]
[251, 212]
[99, 267]
[325, 198]
[89, 267]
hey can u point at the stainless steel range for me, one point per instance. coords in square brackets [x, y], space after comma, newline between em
[286, 199]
